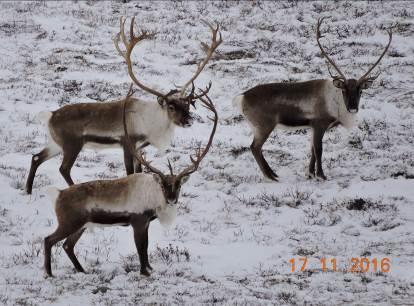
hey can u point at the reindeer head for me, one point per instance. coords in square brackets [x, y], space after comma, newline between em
[171, 183]
[171, 186]
[177, 108]
[351, 88]
[351, 91]
[176, 102]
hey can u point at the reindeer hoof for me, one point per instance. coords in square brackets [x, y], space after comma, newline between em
[275, 178]
[271, 176]
[321, 176]
[47, 275]
[269, 180]
[145, 272]
[149, 267]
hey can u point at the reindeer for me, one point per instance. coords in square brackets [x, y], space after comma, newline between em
[319, 104]
[134, 200]
[99, 125]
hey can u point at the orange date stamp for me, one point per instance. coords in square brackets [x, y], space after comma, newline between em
[356, 264]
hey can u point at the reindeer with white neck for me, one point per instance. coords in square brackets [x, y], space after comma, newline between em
[134, 200]
[319, 104]
[99, 125]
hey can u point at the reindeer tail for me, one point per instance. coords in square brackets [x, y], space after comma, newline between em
[237, 103]
[53, 193]
[44, 116]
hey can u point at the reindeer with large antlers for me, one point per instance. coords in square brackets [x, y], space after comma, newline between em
[99, 125]
[134, 200]
[319, 104]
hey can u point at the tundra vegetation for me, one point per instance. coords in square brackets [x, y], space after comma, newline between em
[235, 232]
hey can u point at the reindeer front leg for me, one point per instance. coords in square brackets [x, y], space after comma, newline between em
[318, 132]
[70, 153]
[311, 171]
[146, 249]
[140, 225]
[61, 233]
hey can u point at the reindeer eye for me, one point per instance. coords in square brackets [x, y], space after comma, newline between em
[171, 108]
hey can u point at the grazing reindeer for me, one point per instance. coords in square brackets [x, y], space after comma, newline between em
[98, 125]
[134, 200]
[319, 104]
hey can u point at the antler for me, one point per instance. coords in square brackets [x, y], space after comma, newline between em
[209, 51]
[203, 92]
[319, 36]
[200, 154]
[377, 62]
[131, 147]
[129, 46]
[207, 103]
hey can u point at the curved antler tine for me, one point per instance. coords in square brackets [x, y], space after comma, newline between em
[116, 43]
[122, 31]
[170, 167]
[203, 92]
[335, 77]
[209, 53]
[131, 28]
[130, 91]
[365, 76]
[207, 24]
[200, 154]
[192, 90]
[318, 37]
[318, 32]
[129, 46]
[373, 78]
[190, 98]
[120, 36]
[209, 86]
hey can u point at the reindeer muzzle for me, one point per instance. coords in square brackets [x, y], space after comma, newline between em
[188, 122]
[172, 202]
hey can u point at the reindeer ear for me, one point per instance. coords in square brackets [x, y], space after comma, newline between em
[184, 179]
[157, 178]
[338, 83]
[161, 101]
[366, 84]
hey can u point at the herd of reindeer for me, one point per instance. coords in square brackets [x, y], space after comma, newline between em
[134, 124]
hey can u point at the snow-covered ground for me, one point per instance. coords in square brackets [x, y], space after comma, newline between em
[235, 233]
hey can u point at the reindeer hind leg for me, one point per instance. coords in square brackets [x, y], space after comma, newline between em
[311, 171]
[317, 146]
[69, 246]
[49, 242]
[70, 153]
[259, 139]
